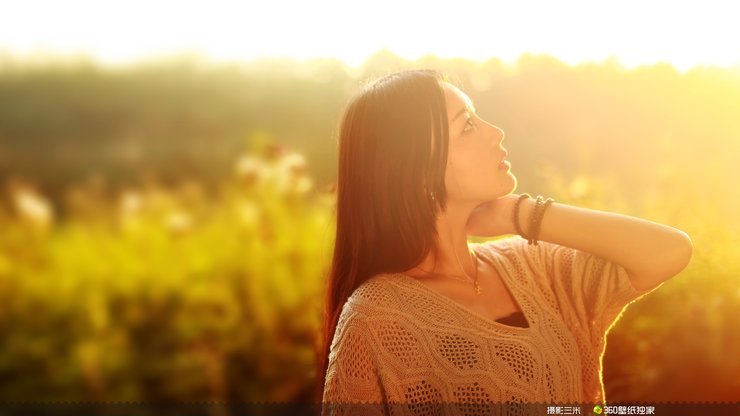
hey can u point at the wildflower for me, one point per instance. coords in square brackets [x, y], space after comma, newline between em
[293, 164]
[293, 185]
[250, 168]
[291, 175]
[131, 203]
[33, 208]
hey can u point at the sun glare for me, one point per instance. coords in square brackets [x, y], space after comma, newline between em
[685, 34]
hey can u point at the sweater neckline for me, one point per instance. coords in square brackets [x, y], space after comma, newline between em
[492, 258]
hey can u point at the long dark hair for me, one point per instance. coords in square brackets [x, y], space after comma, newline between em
[392, 154]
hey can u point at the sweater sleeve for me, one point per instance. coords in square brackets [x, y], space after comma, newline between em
[592, 291]
[352, 384]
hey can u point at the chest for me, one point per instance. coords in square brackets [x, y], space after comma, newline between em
[495, 302]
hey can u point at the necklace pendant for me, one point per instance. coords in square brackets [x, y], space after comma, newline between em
[477, 289]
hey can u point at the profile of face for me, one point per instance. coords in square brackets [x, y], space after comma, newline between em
[476, 168]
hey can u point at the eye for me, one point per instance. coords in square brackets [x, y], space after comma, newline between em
[469, 125]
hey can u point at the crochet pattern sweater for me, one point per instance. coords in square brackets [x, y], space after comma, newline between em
[399, 341]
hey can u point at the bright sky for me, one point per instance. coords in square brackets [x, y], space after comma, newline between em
[684, 33]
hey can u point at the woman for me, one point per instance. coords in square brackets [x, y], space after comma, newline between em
[416, 315]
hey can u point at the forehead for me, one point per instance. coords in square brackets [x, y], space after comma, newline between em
[456, 100]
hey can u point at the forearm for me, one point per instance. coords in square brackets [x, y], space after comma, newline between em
[650, 251]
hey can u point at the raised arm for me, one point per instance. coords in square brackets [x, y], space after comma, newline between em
[651, 253]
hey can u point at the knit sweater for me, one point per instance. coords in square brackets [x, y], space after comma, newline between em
[399, 341]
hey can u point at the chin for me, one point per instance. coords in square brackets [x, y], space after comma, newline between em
[510, 186]
[515, 183]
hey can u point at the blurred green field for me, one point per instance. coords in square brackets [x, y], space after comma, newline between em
[165, 230]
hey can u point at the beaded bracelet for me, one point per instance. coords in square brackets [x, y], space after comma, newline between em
[538, 222]
[533, 220]
[517, 227]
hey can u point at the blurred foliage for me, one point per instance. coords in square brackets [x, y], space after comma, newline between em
[158, 242]
[167, 294]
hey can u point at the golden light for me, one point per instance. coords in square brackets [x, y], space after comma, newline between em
[684, 34]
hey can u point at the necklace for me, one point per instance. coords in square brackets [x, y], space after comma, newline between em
[474, 280]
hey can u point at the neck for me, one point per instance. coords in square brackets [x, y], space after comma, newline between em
[453, 255]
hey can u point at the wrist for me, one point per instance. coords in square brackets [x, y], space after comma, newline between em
[526, 212]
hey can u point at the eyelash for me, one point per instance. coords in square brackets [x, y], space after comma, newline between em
[469, 122]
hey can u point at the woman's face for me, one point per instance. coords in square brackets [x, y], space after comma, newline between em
[476, 171]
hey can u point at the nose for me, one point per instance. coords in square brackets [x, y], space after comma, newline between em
[498, 135]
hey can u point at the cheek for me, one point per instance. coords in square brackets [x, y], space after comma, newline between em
[465, 162]
[465, 171]
[474, 160]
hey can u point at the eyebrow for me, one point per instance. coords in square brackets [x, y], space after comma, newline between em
[465, 109]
